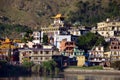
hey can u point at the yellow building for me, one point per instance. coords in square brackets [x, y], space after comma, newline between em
[5, 47]
[107, 55]
[108, 28]
[81, 61]
[7, 44]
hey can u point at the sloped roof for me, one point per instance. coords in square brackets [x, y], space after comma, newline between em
[58, 16]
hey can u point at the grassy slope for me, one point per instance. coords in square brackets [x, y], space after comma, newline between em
[26, 11]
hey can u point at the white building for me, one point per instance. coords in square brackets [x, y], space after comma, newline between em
[78, 31]
[36, 37]
[56, 28]
[97, 54]
[28, 44]
[108, 28]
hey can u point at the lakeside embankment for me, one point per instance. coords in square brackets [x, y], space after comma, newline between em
[84, 71]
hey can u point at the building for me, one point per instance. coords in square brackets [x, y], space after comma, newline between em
[114, 49]
[25, 54]
[67, 47]
[80, 60]
[79, 55]
[107, 55]
[36, 37]
[28, 44]
[38, 55]
[96, 55]
[78, 31]
[59, 38]
[108, 28]
[77, 52]
[6, 50]
[56, 28]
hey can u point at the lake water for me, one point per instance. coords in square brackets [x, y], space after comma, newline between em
[65, 77]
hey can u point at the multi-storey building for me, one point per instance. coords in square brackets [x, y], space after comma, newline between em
[97, 54]
[24, 54]
[37, 55]
[67, 47]
[115, 49]
[59, 38]
[108, 28]
[6, 49]
[36, 37]
[78, 31]
[56, 28]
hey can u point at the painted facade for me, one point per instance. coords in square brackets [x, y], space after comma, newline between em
[6, 49]
[80, 61]
[67, 47]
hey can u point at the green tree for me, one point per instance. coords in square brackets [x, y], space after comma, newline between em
[45, 39]
[49, 66]
[12, 30]
[87, 41]
[28, 36]
[89, 14]
[28, 65]
[116, 65]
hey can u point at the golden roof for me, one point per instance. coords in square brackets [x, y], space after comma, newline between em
[58, 16]
[6, 41]
[7, 46]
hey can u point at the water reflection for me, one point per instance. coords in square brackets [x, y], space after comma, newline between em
[65, 77]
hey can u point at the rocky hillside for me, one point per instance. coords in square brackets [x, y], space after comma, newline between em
[38, 13]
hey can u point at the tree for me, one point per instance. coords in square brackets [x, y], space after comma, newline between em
[87, 41]
[28, 65]
[49, 66]
[45, 39]
[27, 36]
[116, 65]
[89, 14]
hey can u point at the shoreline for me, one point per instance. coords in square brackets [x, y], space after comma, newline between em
[79, 71]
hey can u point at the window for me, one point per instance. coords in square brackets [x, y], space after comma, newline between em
[35, 52]
[35, 58]
[105, 55]
[46, 58]
[99, 48]
[41, 58]
[41, 52]
[47, 52]
[115, 53]
[113, 43]
[107, 33]
[117, 57]
[115, 47]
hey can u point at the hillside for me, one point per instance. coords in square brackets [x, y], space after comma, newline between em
[38, 13]
[33, 13]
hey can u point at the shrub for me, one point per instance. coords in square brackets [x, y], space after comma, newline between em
[116, 65]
